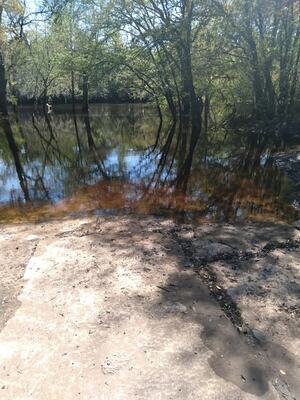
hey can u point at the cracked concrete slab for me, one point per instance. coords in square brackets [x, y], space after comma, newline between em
[108, 311]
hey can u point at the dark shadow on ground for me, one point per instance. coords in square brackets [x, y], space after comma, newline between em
[237, 358]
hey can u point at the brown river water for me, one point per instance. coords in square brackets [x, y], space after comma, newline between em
[104, 162]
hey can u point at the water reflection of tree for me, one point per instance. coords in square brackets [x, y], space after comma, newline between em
[51, 149]
[226, 177]
[241, 185]
[233, 176]
[8, 132]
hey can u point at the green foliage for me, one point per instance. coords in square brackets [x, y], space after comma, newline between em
[242, 53]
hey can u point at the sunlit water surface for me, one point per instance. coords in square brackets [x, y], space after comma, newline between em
[104, 163]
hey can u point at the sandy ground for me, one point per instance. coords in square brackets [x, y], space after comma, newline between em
[120, 308]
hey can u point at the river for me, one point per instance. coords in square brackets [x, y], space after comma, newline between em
[105, 162]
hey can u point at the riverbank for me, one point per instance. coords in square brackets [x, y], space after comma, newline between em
[289, 162]
[141, 307]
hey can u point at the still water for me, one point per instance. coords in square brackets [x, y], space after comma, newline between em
[105, 162]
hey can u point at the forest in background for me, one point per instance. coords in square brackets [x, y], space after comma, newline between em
[209, 64]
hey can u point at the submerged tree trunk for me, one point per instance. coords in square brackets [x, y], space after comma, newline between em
[184, 173]
[85, 93]
[74, 112]
[159, 126]
[5, 124]
[89, 134]
[191, 105]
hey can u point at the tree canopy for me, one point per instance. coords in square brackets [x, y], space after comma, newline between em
[208, 63]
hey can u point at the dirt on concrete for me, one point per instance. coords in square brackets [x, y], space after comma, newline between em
[17, 247]
[134, 307]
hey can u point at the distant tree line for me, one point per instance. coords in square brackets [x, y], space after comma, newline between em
[209, 63]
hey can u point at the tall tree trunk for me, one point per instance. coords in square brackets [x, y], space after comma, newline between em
[206, 112]
[45, 98]
[257, 81]
[73, 91]
[192, 106]
[85, 93]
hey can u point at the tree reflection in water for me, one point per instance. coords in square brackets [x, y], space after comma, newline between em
[123, 161]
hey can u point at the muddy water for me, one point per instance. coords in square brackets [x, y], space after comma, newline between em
[105, 162]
